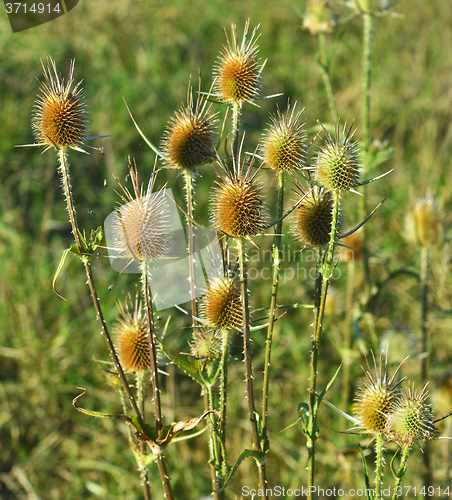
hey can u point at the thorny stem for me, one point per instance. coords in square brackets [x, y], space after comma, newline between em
[67, 189]
[425, 280]
[271, 321]
[189, 187]
[325, 67]
[379, 462]
[321, 289]
[224, 387]
[405, 453]
[147, 294]
[248, 363]
[236, 112]
[144, 473]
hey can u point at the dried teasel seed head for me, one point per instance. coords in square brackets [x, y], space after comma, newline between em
[375, 398]
[207, 345]
[222, 306]
[131, 337]
[190, 136]
[354, 251]
[237, 207]
[59, 117]
[314, 218]
[410, 419]
[238, 70]
[319, 17]
[337, 165]
[282, 146]
[140, 228]
[424, 222]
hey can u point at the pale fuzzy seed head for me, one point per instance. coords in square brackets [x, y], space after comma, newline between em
[337, 165]
[410, 419]
[222, 306]
[59, 116]
[131, 337]
[314, 218]
[140, 230]
[354, 251]
[190, 137]
[238, 70]
[424, 222]
[282, 146]
[207, 345]
[374, 6]
[319, 17]
[375, 398]
[237, 207]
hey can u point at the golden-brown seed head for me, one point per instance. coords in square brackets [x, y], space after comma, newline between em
[132, 338]
[337, 166]
[354, 251]
[190, 136]
[424, 222]
[374, 400]
[282, 146]
[410, 419]
[59, 118]
[314, 218]
[222, 306]
[319, 17]
[238, 70]
[237, 208]
[207, 345]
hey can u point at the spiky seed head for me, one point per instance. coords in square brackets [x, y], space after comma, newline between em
[59, 116]
[424, 222]
[282, 146]
[222, 306]
[237, 207]
[190, 136]
[410, 419]
[140, 230]
[131, 337]
[375, 6]
[337, 165]
[375, 398]
[314, 218]
[319, 17]
[207, 345]
[354, 251]
[238, 70]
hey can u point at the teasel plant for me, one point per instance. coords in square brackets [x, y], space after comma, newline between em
[140, 235]
[60, 122]
[320, 20]
[238, 212]
[336, 170]
[424, 230]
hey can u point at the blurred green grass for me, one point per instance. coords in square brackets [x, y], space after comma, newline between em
[145, 52]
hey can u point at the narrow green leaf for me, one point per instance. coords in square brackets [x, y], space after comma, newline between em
[58, 271]
[366, 474]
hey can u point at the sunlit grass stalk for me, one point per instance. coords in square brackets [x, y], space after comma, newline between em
[67, 188]
[397, 485]
[325, 67]
[325, 271]
[348, 337]
[147, 294]
[248, 362]
[272, 317]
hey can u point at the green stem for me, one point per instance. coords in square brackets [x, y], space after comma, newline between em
[67, 189]
[271, 322]
[368, 32]
[224, 388]
[325, 67]
[144, 473]
[379, 463]
[189, 188]
[348, 337]
[321, 289]
[248, 363]
[236, 112]
[164, 477]
[405, 453]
